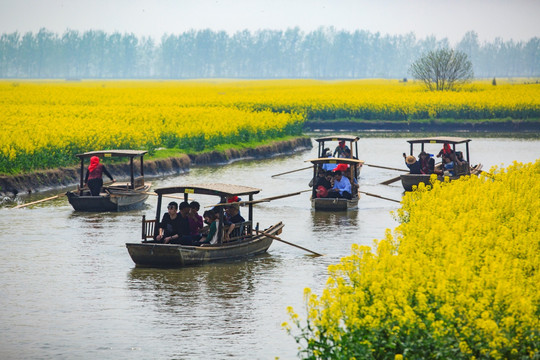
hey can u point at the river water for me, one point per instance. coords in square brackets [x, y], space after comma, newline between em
[69, 289]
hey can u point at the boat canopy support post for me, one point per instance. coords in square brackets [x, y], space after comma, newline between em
[158, 214]
[82, 176]
[132, 185]
[250, 213]
[467, 148]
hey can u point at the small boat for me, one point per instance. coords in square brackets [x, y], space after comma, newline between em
[352, 172]
[118, 196]
[246, 241]
[410, 180]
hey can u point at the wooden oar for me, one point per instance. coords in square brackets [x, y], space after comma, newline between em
[286, 242]
[261, 200]
[385, 167]
[169, 196]
[378, 196]
[390, 181]
[288, 172]
[38, 201]
[54, 197]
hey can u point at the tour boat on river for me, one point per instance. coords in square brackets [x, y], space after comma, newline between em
[246, 241]
[410, 180]
[349, 164]
[118, 196]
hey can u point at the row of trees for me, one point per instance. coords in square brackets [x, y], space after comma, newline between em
[325, 53]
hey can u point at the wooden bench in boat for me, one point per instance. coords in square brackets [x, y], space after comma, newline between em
[148, 229]
[241, 231]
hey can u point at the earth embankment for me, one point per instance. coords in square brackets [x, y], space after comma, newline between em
[11, 185]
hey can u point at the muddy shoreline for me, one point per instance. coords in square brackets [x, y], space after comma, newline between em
[64, 177]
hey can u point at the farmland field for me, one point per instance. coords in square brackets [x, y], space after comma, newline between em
[45, 123]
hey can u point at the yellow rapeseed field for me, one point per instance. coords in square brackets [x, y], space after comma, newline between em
[45, 123]
[458, 279]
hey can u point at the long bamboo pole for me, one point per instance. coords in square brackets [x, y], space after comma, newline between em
[52, 197]
[378, 196]
[286, 242]
[261, 200]
[390, 181]
[288, 172]
[386, 167]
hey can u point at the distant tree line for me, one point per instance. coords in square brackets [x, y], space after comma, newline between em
[325, 53]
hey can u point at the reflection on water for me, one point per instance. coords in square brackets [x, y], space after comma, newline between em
[326, 220]
[199, 284]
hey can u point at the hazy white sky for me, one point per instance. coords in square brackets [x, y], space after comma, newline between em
[508, 19]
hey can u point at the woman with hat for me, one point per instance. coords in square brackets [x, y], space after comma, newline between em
[412, 164]
[94, 176]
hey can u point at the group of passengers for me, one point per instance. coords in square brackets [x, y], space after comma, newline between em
[332, 183]
[185, 226]
[426, 163]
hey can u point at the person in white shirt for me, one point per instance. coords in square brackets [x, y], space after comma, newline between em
[342, 187]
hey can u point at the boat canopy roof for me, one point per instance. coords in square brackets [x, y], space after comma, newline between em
[109, 153]
[338, 138]
[439, 140]
[209, 189]
[332, 160]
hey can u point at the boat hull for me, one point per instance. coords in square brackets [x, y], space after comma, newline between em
[113, 201]
[410, 180]
[172, 255]
[334, 204]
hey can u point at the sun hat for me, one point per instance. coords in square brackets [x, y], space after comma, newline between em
[410, 160]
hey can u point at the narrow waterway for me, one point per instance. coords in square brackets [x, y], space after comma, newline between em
[69, 289]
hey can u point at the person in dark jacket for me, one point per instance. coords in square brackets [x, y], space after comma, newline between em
[170, 227]
[94, 176]
[412, 164]
[427, 163]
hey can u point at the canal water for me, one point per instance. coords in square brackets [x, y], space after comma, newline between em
[69, 290]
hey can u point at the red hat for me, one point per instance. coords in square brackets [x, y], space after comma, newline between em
[341, 167]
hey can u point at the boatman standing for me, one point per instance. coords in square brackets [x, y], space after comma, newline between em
[94, 176]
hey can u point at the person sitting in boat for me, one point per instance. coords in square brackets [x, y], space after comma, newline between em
[459, 158]
[341, 188]
[170, 225]
[427, 163]
[185, 237]
[233, 217]
[195, 221]
[323, 183]
[94, 176]
[340, 149]
[448, 166]
[328, 166]
[412, 164]
[212, 219]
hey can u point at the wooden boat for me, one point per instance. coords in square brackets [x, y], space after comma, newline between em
[410, 180]
[117, 196]
[245, 242]
[352, 173]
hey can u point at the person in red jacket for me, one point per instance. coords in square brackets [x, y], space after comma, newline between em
[94, 176]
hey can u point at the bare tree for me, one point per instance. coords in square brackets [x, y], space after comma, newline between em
[443, 69]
